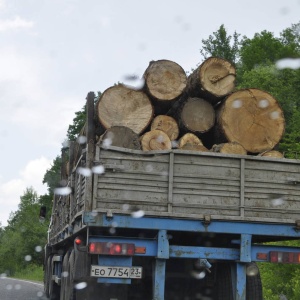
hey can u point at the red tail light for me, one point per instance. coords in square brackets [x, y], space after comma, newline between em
[285, 257]
[107, 248]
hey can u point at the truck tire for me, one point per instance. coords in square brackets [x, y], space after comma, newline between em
[224, 285]
[70, 289]
[54, 288]
[64, 277]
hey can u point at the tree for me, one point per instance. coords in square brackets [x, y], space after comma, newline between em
[52, 175]
[222, 45]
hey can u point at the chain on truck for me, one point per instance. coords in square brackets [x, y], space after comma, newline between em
[192, 227]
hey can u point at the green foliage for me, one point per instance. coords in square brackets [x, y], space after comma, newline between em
[220, 44]
[30, 272]
[78, 123]
[23, 238]
[52, 175]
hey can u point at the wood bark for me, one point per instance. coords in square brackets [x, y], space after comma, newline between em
[121, 136]
[189, 138]
[166, 124]
[155, 140]
[165, 81]
[123, 106]
[229, 148]
[213, 80]
[252, 118]
[197, 115]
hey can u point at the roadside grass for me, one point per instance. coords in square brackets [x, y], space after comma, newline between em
[31, 272]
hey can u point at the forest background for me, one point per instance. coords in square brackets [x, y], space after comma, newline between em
[259, 62]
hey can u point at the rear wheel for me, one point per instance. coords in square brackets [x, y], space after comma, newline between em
[64, 277]
[54, 288]
[224, 290]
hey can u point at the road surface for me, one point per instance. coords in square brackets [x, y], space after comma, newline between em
[15, 289]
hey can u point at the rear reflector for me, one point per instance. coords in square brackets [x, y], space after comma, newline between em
[285, 257]
[108, 248]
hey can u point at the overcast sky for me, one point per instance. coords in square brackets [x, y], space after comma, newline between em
[53, 52]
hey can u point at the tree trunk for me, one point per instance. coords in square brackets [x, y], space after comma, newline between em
[252, 118]
[122, 106]
[213, 80]
[155, 140]
[197, 115]
[166, 124]
[165, 81]
[189, 138]
[121, 136]
[229, 148]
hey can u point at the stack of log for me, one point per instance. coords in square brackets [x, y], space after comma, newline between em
[200, 112]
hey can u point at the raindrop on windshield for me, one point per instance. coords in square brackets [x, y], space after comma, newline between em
[9, 287]
[3, 275]
[160, 139]
[106, 142]
[40, 294]
[38, 249]
[84, 171]
[149, 168]
[18, 286]
[251, 270]
[288, 63]
[174, 144]
[274, 115]
[137, 213]
[125, 207]
[263, 103]
[198, 274]
[28, 257]
[277, 200]
[81, 139]
[133, 81]
[80, 285]
[237, 103]
[65, 274]
[98, 169]
[63, 191]
[66, 144]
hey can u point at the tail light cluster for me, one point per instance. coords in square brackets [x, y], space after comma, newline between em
[108, 248]
[285, 257]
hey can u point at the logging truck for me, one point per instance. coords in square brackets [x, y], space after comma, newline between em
[157, 223]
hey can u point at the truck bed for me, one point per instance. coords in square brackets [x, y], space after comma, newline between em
[188, 184]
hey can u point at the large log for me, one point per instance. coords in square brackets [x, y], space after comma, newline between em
[272, 153]
[189, 138]
[123, 106]
[213, 80]
[166, 124]
[165, 81]
[229, 148]
[155, 140]
[121, 136]
[197, 115]
[252, 118]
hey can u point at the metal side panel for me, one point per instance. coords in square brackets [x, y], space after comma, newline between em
[193, 184]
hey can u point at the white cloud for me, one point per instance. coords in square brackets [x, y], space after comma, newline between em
[14, 24]
[12, 190]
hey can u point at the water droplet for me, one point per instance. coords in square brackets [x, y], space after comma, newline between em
[198, 274]
[94, 213]
[274, 115]
[65, 274]
[251, 270]
[18, 286]
[174, 144]
[237, 103]
[263, 103]
[288, 63]
[277, 200]
[149, 168]
[112, 230]
[9, 287]
[40, 294]
[38, 249]
[98, 169]
[125, 207]
[133, 81]
[3, 275]
[160, 139]
[81, 285]
[106, 143]
[81, 139]
[28, 257]
[114, 224]
[137, 213]
[164, 173]
[66, 144]
[63, 191]
[84, 171]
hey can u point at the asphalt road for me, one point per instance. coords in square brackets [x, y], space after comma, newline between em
[15, 289]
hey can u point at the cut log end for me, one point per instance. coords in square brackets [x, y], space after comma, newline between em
[193, 147]
[189, 138]
[122, 106]
[272, 153]
[155, 140]
[166, 124]
[229, 148]
[198, 115]
[253, 118]
[165, 80]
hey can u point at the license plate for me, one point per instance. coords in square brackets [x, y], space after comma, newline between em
[116, 272]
